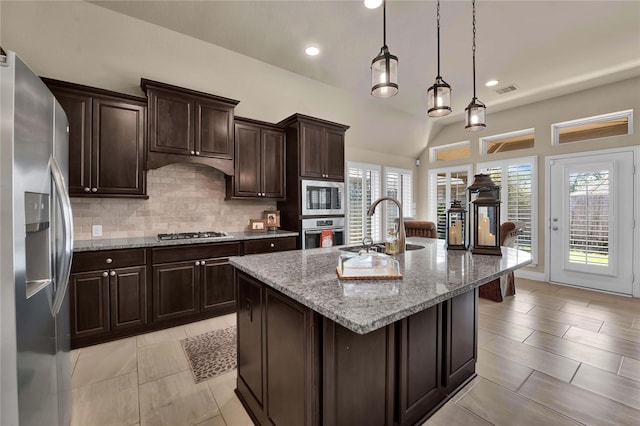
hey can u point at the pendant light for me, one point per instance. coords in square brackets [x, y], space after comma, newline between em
[439, 95]
[475, 111]
[384, 67]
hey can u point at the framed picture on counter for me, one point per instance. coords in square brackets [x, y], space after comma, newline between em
[257, 225]
[272, 218]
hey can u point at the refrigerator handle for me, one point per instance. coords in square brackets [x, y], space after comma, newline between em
[67, 231]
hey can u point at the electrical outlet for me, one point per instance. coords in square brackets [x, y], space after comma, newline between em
[96, 230]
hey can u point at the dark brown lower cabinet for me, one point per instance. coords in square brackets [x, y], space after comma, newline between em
[176, 290]
[218, 284]
[296, 367]
[128, 297]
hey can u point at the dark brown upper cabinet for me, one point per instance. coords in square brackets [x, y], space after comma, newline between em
[259, 161]
[315, 147]
[186, 126]
[107, 136]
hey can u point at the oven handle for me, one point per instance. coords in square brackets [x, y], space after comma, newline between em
[310, 232]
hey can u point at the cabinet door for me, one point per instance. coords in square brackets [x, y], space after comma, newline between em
[214, 130]
[89, 301]
[78, 110]
[118, 147]
[176, 290]
[128, 287]
[273, 164]
[171, 121]
[250, 348]
[312, 148]
[334, 154]
[218, 284]
[460, 339]
[247, 173]
[419, 365]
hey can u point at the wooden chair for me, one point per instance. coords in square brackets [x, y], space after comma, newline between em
[505, 285]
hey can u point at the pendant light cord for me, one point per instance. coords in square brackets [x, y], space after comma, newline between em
[473, 48]
[438, 26]
[384, 23]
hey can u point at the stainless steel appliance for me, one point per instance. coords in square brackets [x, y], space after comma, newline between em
[312, 231]
[194, 235]
[36, 249]
[322, 198]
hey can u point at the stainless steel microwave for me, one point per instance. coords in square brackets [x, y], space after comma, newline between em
[320, 198]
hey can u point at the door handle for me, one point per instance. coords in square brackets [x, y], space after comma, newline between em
[250, 310]
[555, 228]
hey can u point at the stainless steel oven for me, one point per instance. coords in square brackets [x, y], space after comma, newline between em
[322, 232]
[320, 198]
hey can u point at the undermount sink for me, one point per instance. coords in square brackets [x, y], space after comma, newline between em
[379, 247]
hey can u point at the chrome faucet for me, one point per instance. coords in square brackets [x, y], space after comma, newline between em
[401, 233]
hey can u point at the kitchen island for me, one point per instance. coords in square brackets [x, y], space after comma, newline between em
[313, 349]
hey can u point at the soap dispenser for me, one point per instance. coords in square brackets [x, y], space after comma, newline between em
[391, 246]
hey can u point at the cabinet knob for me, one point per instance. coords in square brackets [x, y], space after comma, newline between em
[197, 152]
[86, 189]
[193, 153]
[94, 189]
[105, 274]
[109, 260]
[272, 245]
[203, 263]
[198, 263]
[112, 273]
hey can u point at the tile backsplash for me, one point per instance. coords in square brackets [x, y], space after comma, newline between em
[182, 198]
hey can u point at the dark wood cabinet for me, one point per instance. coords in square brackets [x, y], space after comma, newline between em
[189, 126]
[460, 339]
[269, 245]
[107, 140]
[193, 281]
[315, 147]
[259, 161]
[108, 293]
[250, 344]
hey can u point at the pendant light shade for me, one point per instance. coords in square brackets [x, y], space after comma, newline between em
[476, 110]
[439, 95]
[384, 67]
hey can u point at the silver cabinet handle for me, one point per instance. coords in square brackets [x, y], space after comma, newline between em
[94, 189]
[272, 245]
[105, 274]
[197, 152]
[203, 263]
[109, 260]
[112, 273]
[258, 194]
[198, 263]
[86, 189]
[193, 153]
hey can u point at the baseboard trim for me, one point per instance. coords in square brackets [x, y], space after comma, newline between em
[530, 275]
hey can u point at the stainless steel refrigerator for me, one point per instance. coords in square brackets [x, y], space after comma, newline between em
[36, 237]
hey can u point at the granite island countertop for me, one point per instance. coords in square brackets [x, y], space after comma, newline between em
[125, 243]
[431, 276]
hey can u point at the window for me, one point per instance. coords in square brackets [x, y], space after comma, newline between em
[517, 179]
[363, 188]
[444, 185]
[600, 126]
[399, 185]
[511, 141]
[452, 151]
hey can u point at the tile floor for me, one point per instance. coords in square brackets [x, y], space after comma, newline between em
[551, 355]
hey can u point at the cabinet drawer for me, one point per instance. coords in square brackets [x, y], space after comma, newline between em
[194, 252]
[269, 245]
[108, 259]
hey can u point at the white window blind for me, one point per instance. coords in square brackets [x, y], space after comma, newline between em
[363, 187]
[399, 185]
[445, 185]
[517, 179]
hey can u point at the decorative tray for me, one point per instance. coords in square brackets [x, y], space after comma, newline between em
[368, 265]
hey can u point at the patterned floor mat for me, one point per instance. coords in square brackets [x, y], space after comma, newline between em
[211, 354]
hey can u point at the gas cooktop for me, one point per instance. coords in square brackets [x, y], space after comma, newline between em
[193, 235]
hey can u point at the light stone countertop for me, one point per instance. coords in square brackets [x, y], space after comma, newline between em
[124, 243]
[431, 276]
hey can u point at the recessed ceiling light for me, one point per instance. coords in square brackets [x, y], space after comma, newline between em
[372, 4]
[491, 83]
[312, 51]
